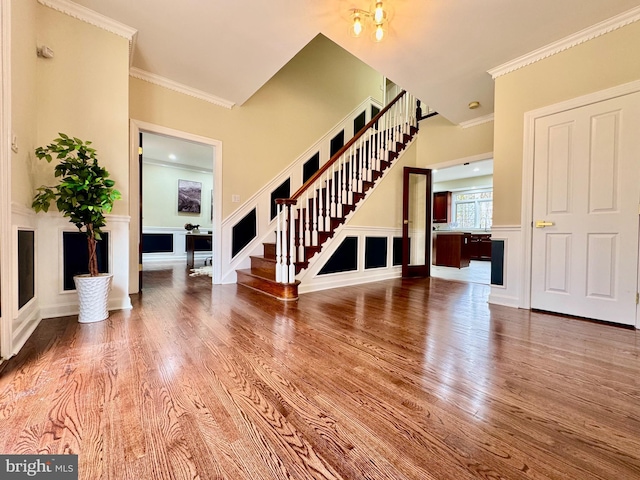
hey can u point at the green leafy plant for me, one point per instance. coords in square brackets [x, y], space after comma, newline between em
[84, 192]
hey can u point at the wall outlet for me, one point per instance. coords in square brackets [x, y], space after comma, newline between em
[235, 198]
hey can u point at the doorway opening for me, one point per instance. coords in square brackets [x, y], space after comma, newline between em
[462, 219]
[176, 201]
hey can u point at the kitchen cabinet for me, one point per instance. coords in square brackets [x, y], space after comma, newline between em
[442, 207]
[452, 249]
[480, 246]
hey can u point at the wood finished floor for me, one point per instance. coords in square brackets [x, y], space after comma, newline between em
[417, 379]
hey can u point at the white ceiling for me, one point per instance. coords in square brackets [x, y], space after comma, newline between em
[468, 170]
[170, 151]
[439, 50]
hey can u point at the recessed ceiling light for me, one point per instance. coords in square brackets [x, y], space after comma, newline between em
[172, 156]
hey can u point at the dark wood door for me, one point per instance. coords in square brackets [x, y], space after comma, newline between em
[140, 212]
[416, 228]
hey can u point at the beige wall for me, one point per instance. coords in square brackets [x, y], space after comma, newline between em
[441, 141]
[383, 207]
[84, 91]
[23, 97]
[606, 61]
[160, 187]
[302, 102]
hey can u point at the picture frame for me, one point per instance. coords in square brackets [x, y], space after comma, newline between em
[189, 196]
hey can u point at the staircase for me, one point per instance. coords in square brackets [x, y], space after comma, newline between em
[323, 203]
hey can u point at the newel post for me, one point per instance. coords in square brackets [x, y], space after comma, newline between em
[285, 241]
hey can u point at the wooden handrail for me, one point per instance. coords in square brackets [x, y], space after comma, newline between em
[293, 199]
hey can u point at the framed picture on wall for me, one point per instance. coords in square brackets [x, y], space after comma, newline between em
[189, 196]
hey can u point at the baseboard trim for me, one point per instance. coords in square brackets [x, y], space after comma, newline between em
[504, 300]
[71, 308]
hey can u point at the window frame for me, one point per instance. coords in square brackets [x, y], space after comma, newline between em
[476, 202]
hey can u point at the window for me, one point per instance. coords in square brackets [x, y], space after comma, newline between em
[473, 209]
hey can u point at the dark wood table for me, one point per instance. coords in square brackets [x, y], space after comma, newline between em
[192, 240]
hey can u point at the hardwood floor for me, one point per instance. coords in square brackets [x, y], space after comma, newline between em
[478, 271]
[402, 379]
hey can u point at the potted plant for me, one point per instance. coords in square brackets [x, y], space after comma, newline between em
[84, 193]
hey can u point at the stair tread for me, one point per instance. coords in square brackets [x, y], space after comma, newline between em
[251, 273]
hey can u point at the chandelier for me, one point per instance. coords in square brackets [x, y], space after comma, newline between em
[362, 20]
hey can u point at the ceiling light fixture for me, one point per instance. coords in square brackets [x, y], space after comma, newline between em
[377, 17]
[473, 105]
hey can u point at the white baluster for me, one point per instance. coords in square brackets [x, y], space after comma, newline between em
[278, 245]
[320, 216]
[352, 173]
[340, 188]
[307, 218]
[314, 233]
[291, 274]
[327, 205]
[300, 233]
[333, 187]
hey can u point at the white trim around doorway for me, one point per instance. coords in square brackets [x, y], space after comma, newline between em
[6, 283]
[138, 126]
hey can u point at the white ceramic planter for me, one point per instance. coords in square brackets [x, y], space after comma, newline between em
[93, 297]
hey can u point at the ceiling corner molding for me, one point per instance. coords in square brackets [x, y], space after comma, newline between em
[179, 87]
[93, 18]
[606, 26]
[477, 121]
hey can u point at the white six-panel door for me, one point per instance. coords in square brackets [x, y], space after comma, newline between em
[585, 211]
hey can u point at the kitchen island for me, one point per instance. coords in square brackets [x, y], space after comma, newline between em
[452, 249]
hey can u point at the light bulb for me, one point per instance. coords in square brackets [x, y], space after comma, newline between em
[357, 25]
[379, 33]
[378, 15]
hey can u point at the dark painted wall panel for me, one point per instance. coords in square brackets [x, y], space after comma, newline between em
[497, 262]
[243, 232]
[310, 167]
[344, 259]
[26, 269]
[283, 191]
[337, 143]
[359, 122]
[75, 257]
[375, 252]
[157, 242]
[397, 251]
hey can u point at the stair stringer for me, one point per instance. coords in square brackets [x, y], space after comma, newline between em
[316, 262]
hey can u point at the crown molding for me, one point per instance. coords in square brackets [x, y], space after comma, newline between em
[477, 121]
[89, 16]
[606, 26]
[97, 20]
[179, 87]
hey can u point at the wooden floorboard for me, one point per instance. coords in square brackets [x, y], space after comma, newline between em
[402, 379]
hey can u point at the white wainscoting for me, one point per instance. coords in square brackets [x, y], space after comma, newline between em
[312, 282]
[54, 300]
[508, 294]
[179, 254]
[26, 319]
